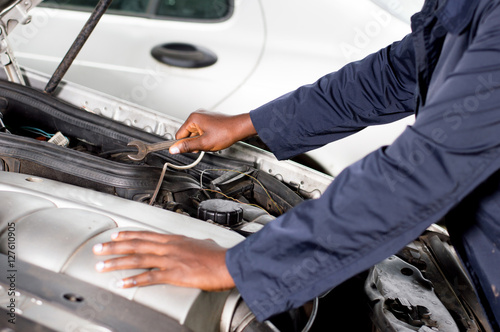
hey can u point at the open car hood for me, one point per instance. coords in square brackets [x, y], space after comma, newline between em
[61, 196]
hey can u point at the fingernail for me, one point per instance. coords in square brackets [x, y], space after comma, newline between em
[127, 282]
[174, 150]
[99, 266]
[97, 247]
[114, 236]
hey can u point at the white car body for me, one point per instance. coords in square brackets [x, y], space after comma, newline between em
[264, 49]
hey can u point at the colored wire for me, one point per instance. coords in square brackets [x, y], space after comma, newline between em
[245, 174]
[234, 199]
[37, 131]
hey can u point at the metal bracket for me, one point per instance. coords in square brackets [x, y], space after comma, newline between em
[10, 17]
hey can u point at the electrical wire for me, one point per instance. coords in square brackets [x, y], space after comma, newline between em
[245, 174]
[117, 151]
[37, 131]
[312, 318]
[162, 175]
[234, 199]
[45, 134]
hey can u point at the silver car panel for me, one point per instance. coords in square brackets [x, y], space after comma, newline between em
[49, 237]
[60, 224]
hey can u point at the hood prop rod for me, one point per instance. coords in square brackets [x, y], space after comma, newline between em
[80, 40]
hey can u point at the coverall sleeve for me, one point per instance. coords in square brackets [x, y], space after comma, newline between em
[378, 89]
[382, 202]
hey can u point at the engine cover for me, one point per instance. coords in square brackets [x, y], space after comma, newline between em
[53, 226]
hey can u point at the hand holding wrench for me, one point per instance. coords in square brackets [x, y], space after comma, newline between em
[144, 149]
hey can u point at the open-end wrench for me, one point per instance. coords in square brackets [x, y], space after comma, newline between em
[144, 148]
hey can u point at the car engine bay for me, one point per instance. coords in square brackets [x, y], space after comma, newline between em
[75, 184]
[67, 182]
[93, 153]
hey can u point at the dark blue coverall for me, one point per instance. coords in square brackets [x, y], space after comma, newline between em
[447, 72]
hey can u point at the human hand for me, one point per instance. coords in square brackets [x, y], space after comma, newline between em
[175, 259]
[215, 131]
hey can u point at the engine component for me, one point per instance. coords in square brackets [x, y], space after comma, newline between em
[403, 300]
[59, 139]
[221, 211]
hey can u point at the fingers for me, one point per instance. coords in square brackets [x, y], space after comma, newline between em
[187, 145]
[210, 127]
[144, 279]
[194, 126]
[144, 235]
[191, 126]
[152, 278]
[183, 261]
[130, 262]
[216, 131]
[209, 280]
[128, 247]
[129, 244]
[140, 254]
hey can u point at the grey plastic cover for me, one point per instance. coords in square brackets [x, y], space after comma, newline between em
[57, 224]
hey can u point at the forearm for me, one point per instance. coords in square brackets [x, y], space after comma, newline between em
[376, 90]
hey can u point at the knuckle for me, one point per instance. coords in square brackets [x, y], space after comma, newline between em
[194, 116]
[165, 262]
[175, 238]
[184, 146]
[135, 260]
[150, 277]
[135, 244]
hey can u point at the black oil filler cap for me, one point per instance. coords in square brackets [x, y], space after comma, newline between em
[221, 211]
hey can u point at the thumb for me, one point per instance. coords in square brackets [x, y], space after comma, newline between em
[186, 145]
